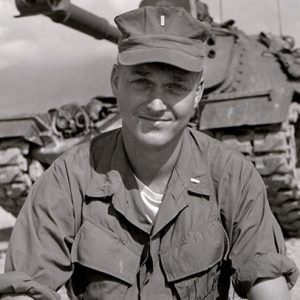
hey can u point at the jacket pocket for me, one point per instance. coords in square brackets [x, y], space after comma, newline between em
[193, 264]
[110, 266]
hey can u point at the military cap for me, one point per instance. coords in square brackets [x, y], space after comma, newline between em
[168, 35]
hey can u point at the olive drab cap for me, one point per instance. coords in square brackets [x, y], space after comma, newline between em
[168, 35]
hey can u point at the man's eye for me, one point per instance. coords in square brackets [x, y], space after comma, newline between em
[177, 87]
[142, 82]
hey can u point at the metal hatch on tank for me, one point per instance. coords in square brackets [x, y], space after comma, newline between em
[251, 102]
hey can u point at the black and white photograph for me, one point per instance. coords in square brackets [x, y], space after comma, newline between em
[149, 149]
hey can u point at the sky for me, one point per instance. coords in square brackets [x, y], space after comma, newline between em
[45, 65]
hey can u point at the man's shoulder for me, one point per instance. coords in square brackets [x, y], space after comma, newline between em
[210, 145]
[218, 155]
[89, 151]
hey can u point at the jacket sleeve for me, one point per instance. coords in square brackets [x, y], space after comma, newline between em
[38, 260]
[257, 249]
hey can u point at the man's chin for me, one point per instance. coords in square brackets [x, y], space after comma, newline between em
[156, 139]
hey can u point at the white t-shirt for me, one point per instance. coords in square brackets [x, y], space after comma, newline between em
[151, 201]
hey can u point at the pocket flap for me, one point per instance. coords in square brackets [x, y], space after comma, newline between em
[104, 251]
[195, 253]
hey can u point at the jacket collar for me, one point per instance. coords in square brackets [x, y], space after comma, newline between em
[191, 166]
[112, 167]
[190, 175]
[112, 176]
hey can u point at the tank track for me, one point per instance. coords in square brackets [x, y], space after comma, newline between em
[274, 150]
[17, 174]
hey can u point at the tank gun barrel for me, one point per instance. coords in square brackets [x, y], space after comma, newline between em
[62, 11]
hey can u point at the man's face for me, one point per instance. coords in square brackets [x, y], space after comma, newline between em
[155, 101]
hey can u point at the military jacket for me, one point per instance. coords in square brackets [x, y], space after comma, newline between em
[83, 225]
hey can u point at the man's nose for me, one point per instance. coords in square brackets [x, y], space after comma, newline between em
[156, 102]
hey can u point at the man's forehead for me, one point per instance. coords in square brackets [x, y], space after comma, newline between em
[151, 68]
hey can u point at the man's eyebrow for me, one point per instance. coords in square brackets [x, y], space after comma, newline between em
[140, 72]
[179, 78]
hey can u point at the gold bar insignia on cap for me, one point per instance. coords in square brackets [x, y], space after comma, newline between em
[162, 20]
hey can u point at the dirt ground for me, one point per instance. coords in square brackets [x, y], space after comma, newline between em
[7, 222]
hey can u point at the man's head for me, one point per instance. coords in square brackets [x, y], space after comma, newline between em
[158, 78]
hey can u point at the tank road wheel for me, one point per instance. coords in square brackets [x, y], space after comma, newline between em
[17, 174]
[275, 150]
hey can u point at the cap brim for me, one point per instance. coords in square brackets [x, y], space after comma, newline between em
[163, 55]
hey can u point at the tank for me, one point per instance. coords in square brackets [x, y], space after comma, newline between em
[251, 102]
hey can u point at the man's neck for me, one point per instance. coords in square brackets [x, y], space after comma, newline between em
[153, 166]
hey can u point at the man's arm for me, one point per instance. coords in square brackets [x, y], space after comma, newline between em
[275, 289]
[258, 251]
[46, 222]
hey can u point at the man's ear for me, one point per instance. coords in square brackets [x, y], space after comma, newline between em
[114, 79]
[199, 91]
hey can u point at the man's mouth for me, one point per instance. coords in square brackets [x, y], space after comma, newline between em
[154, 119]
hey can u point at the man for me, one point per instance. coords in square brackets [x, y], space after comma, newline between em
[154, 210]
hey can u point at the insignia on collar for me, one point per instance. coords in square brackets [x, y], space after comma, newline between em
[195, 180]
